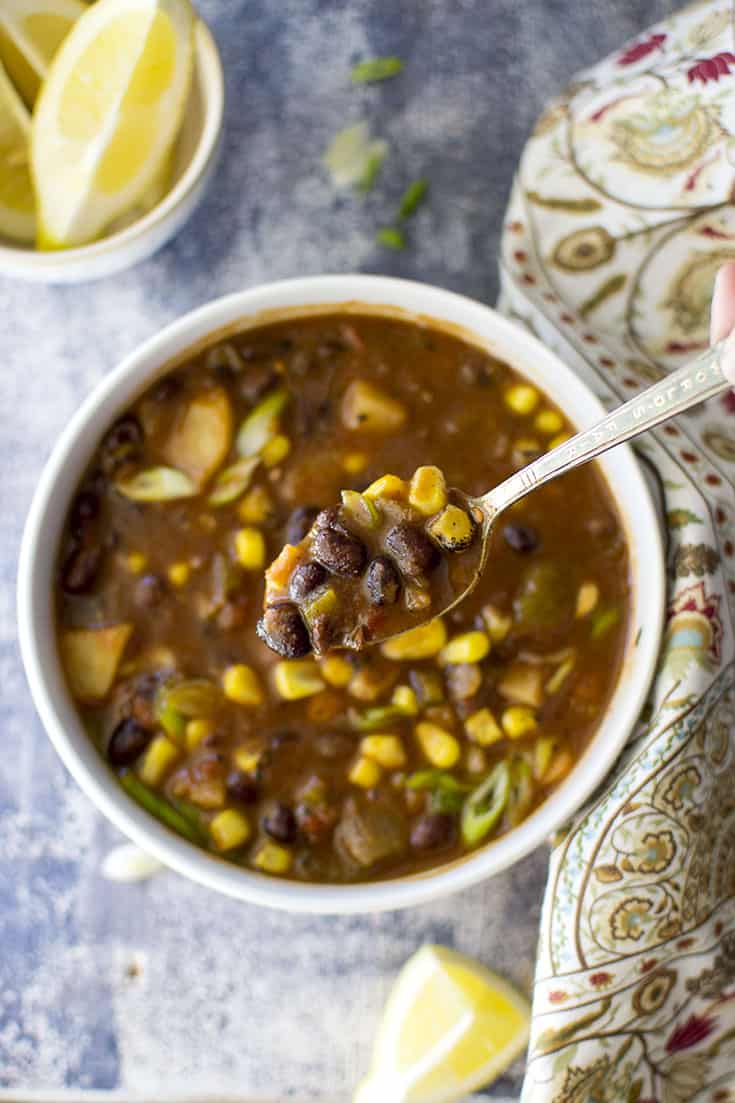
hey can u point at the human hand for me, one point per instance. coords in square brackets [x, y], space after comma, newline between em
[722, 316]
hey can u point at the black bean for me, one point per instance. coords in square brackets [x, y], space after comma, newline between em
[305, 579]
[339, 552]
[121, 443]
[84, 509]
[521, 538]
[412, 549]
[283, 630]
[166, 389]
[299, 523]
[150, 591]
[242, 787]
[280, 823]
[329, 519]
[283, 739]
[127, 742]
[382, 581]
[432, 830]
[80, 569]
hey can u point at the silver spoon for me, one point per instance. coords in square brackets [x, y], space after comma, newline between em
[697, 381]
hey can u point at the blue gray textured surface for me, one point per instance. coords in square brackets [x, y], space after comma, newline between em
[163, 985]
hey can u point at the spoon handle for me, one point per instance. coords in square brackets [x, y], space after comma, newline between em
[702, 378]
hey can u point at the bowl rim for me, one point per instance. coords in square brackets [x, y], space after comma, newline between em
[17, 260]
[132, 376]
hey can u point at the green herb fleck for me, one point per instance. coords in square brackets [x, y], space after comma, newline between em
[377, 68]
[413, 197]
[372, 171]
[392, 239]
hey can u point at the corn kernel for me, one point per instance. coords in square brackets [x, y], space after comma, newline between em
[387, 486]
[439, 746]
[365, 772]
[386, 750]
[297, 678]
[518, 720]
[482, 728]
[476, 760]
[406, 700]
[273, 858]
[418, 643]
[196, 731]
[548, 421]
[157, 760]
[336, 671]
[250, 548]
[275, 450]
[560, 438]
[497, 624]
[136, 562]
[428, 490]
[587, 598]
[229, 829]
[178, 574]
[453, 528]
[470, 647]
[355, 462]
[522, 398]
[256, 507]
[240, 684]
[247, 758]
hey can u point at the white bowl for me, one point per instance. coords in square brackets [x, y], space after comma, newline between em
[195, 158]
[292, 298]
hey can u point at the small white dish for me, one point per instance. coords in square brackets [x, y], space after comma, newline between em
[294, 298]
[195, 158]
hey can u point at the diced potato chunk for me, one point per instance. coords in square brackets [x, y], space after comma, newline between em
[440, 746]
[273, 858]
[482, 728]
[157, 760]
[386, 750]
[518, 720]
[497, 624]
[90, 657]
[470, 647]
[418, 643]
[297, 678]
[365, 772]
[428, 490]
[240, 684]
[366, 407]
[523, 685]
[559, 767]
[201, 436]
[229, 829]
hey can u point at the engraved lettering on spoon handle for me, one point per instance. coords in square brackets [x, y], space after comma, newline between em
[701, 379]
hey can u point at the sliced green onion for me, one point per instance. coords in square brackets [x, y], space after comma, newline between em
[521, 791]
[413, 197]
[377, 68]
[391, 238]
[157, 484]
[603, 621]
[362, 510]
[183, 823]
[376, 718]
[353, 158]
[261, 423]
[372, 168]
[484, 807]
[447, 794]
[233, 481]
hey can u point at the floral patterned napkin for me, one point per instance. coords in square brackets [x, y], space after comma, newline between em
[621, 214]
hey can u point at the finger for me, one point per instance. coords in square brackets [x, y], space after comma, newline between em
[722, 317]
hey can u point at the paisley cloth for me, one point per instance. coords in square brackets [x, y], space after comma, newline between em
[621, 213]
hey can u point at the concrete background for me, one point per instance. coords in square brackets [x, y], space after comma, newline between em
[163, 986]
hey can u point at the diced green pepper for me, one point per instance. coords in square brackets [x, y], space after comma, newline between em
[483, 808]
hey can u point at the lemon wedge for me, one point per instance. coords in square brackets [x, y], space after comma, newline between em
[17, 217]
[31, 32]
[450, 1026]
[108, 114]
